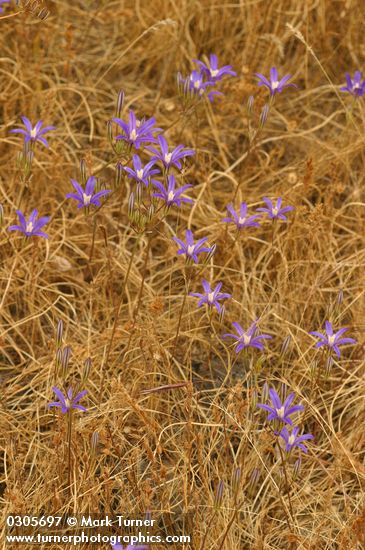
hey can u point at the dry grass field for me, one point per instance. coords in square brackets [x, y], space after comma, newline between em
[172, 427]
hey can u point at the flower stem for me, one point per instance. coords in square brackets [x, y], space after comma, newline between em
[69, 448]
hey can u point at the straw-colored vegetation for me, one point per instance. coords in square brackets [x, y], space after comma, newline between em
[120, 295]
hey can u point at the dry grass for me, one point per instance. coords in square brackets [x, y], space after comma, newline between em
[168, 450]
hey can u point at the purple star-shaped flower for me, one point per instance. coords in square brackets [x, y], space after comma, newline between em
[293, 439]
[354, 87]
[67, 402]
[331, 340]
[281, 411]
[171, 195]
[211, 297]
[274, 84]
[241, 220]
[171, 158]
[190, 248]
[33, 134]
[85, 196]
[212, 72]
[142, 174]
[136, 131]
[247, 339]
[32, 227]
[275, 212]
[3, 2]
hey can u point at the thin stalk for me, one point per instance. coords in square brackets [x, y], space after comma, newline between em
[283, 462]
[117, 314]
[69, 438]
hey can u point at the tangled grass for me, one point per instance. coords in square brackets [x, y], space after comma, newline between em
[120, 295]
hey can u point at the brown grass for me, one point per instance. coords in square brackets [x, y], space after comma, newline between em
[167, 450]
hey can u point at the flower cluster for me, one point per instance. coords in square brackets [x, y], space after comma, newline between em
[273, 209]
[200, 82]
[281, 412]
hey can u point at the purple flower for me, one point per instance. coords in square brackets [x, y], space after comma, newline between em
[190, 248]
[32, 227]
[281, 411]
[274, 84]
[275, 212]
[354, 87]
[241, 220]
[212, 71]
[136, 131]
[171, 195]
[331, 340]
[293, 440]
[141, 174]
[211, 297]
[195, 84]
[33, 134]
[247, 339]
[3, 2]
[171, 158]
[67, 402]
[86, 197]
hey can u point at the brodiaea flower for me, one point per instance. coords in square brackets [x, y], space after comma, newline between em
[247, 339]
[281, 411]
[136, 131]
[275, 212]
[274, 84]
[68, 402]
[211, 297]
[85, 196]
[33, 134]
[241, 220]
[171, 158]
[171, 195]
[331, 340]
[212, 71]
[354, 87]
[32, 227]
[294, 440]
[190, 248]
[142, 174]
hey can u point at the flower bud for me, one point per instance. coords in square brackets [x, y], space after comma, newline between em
[118, 174]
[120, 103]
[131, 205]
[219, 495]
[65, 360]
[59, 334]
[249, 106]
[86, 372]
[94, 443]
[109, 132]
[297, 467]
[210, 254]
[1, 215]
[264, 114]
[83, 171]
